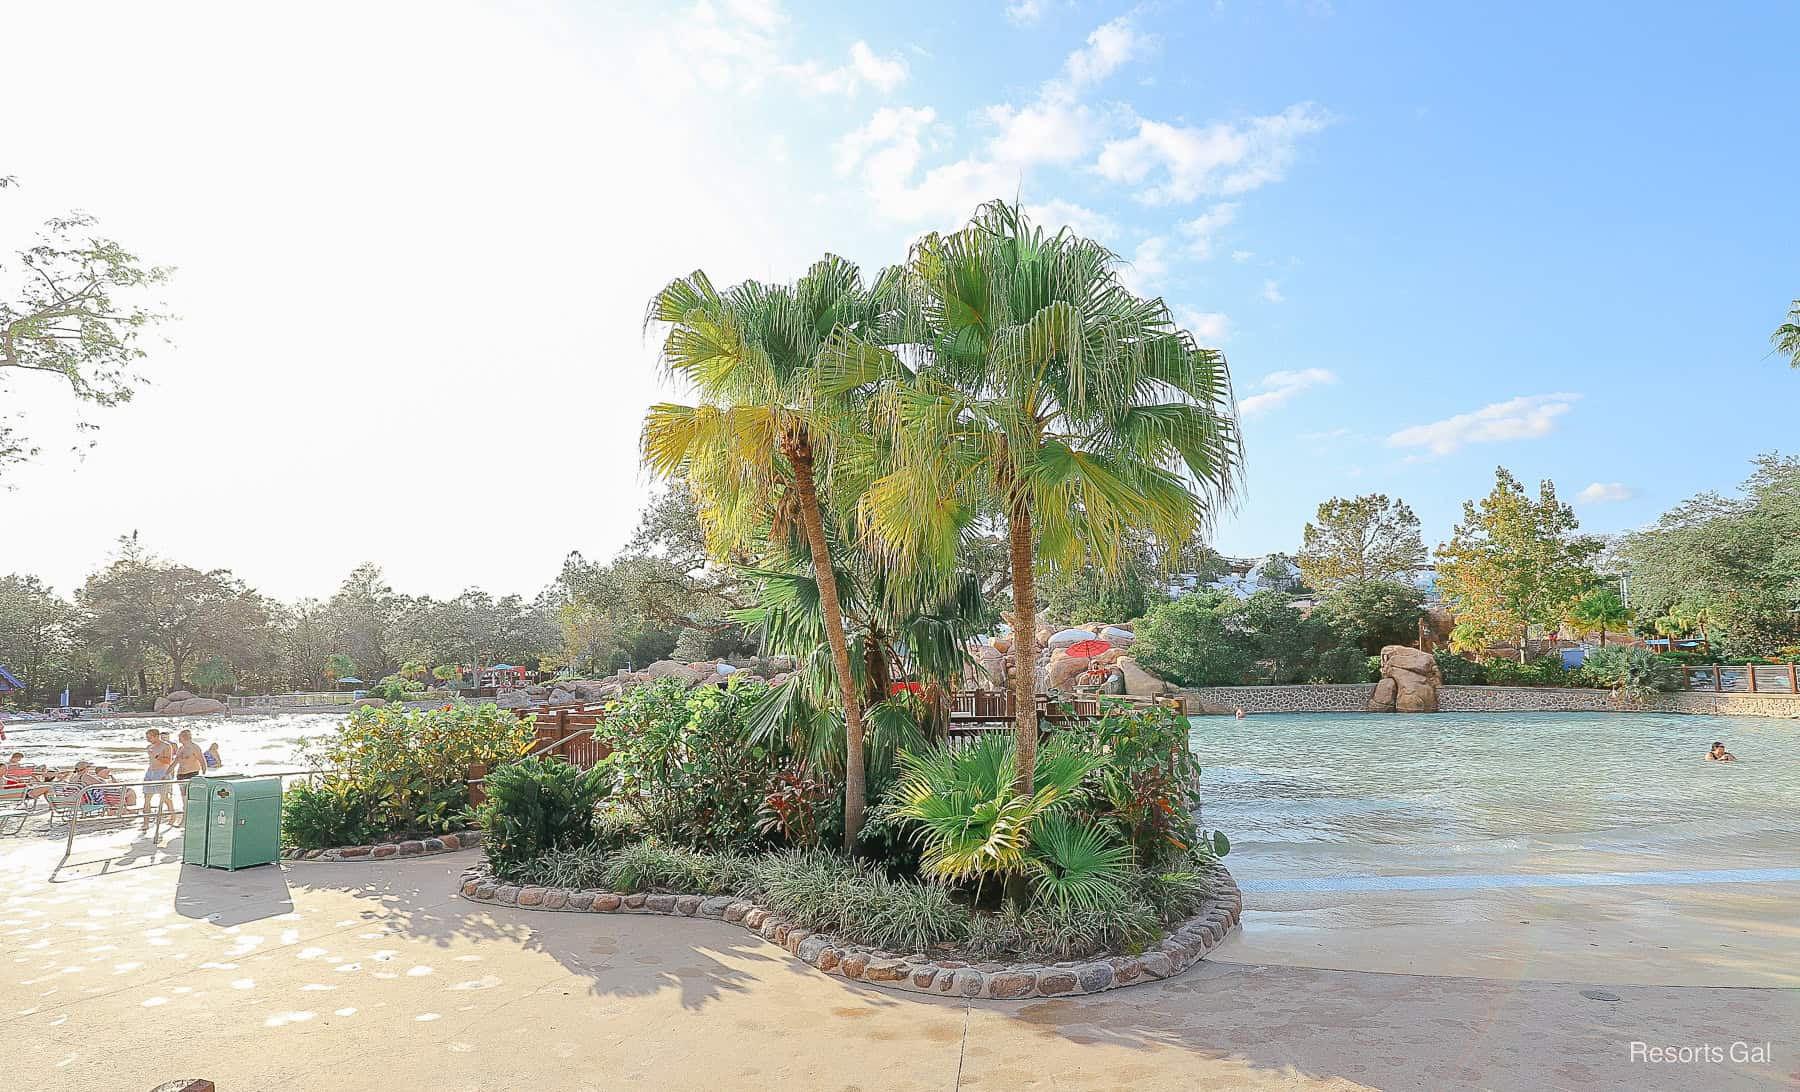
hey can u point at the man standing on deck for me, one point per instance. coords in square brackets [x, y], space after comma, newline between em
[159, 761]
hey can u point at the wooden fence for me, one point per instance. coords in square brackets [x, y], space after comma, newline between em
[1744, 678]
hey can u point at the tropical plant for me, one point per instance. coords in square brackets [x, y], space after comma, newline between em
[416, 761]
[1598, 611]
[1459, 670]
[1024, 381]
[973, 822]
[792, 804]
[1633, 672]
[1075, 863]
[1150, 779]
[1344, 664]
[336, 812]
[756, 447]
[688, 772]
[1786, 337]
[539, 805]
[396, 688]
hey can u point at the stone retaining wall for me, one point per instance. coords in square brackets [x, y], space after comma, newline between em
[1354, 697]
[1185, 945]
[422, 847]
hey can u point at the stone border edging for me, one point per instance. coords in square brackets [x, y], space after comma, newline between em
[417, 847]
[1184, 946]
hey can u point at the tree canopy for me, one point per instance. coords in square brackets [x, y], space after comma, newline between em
[1512, 564]
[1360, 538]
[74, 306]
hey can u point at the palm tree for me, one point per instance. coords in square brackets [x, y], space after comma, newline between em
[1786, 337]
[758, 444]
[1024, 382]
[1599, 609]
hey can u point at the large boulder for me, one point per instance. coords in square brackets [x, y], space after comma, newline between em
[990, 667]
[559, 696]
[1117, 636]
[512, 699]
[1138, 682]
[1409, 682]
[1064, 669]
[161, 706]
[665, 667]
[1063, 638]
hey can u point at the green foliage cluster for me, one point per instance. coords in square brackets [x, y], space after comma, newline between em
[397, 688]
[537, 806]
[333, 813]
[1634, 672]
[406, 771]
[687, 770]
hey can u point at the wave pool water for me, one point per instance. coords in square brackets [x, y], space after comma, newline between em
[1305, 795]
[260, 743]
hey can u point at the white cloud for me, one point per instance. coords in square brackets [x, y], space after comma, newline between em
[1025, 12]
[1242, 255]
[737, 46]
[1524, 418]
[1184, 162]
[1200, 230]
[1272, 291]
[1208, 327]
[1605, 493]
[1279, 388]
[886, 151]
[1057, 213]
[1110, 46]
[1047, 131]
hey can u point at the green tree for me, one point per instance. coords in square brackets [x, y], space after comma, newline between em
[339, 666]
[214, 674]
[760, 440]
[140, 601]
[76, 310]
[1725, 566]
[1190, 642]
[37, 635]
[1027, 383]
[1371, 614]
[1786, 337]
[1598, 611]
[1513, 563]
[1361, 538]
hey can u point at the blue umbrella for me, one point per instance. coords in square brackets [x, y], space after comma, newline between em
[350, 679]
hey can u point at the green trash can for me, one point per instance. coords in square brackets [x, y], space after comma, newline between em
[232, 822]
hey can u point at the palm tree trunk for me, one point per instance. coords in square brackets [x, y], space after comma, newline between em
[855, 789]
[1024, 649]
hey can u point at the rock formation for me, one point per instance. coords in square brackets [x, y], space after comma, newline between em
[1409, 682]
[181, 703]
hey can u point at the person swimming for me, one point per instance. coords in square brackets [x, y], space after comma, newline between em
[1719, 753]
[1238, 712]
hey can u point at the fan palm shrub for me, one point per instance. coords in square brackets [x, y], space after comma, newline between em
[972, 821]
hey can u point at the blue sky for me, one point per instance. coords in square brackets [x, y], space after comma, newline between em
[414, 241]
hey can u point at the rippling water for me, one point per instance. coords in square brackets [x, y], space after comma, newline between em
[263, 743]
[1461, 783]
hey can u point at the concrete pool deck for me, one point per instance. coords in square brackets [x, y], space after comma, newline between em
[130, 970]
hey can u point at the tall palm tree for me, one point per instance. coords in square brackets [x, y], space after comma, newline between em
[1600, 609]
[1022, 380]
[1786, 337]
[757, 447]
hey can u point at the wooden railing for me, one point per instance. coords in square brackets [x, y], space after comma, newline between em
[566, 731]
[1744, 678]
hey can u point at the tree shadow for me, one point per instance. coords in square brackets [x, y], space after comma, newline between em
[239, 897]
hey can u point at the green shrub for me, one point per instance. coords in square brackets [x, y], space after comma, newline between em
[687, 771]
[584, 866]
[397, 688]
[327, 815]
[1051, 934]
[416, 761]
[1346, 664]
[1173, 895]
[1150, 777]
[536, 806]
[1632, 671]
[1456, 670]
[1543, 671]
[652, 866]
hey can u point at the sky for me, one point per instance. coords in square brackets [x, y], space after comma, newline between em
[414, 243]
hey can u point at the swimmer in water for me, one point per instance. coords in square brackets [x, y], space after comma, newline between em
[1719, 753]
[1238, 712]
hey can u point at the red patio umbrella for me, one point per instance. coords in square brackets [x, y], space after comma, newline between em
[1089, 648]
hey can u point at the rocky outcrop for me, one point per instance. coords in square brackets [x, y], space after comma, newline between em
[1409, 682]
[1138, 682]
[182, 703]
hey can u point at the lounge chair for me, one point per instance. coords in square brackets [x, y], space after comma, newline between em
[17, 804]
